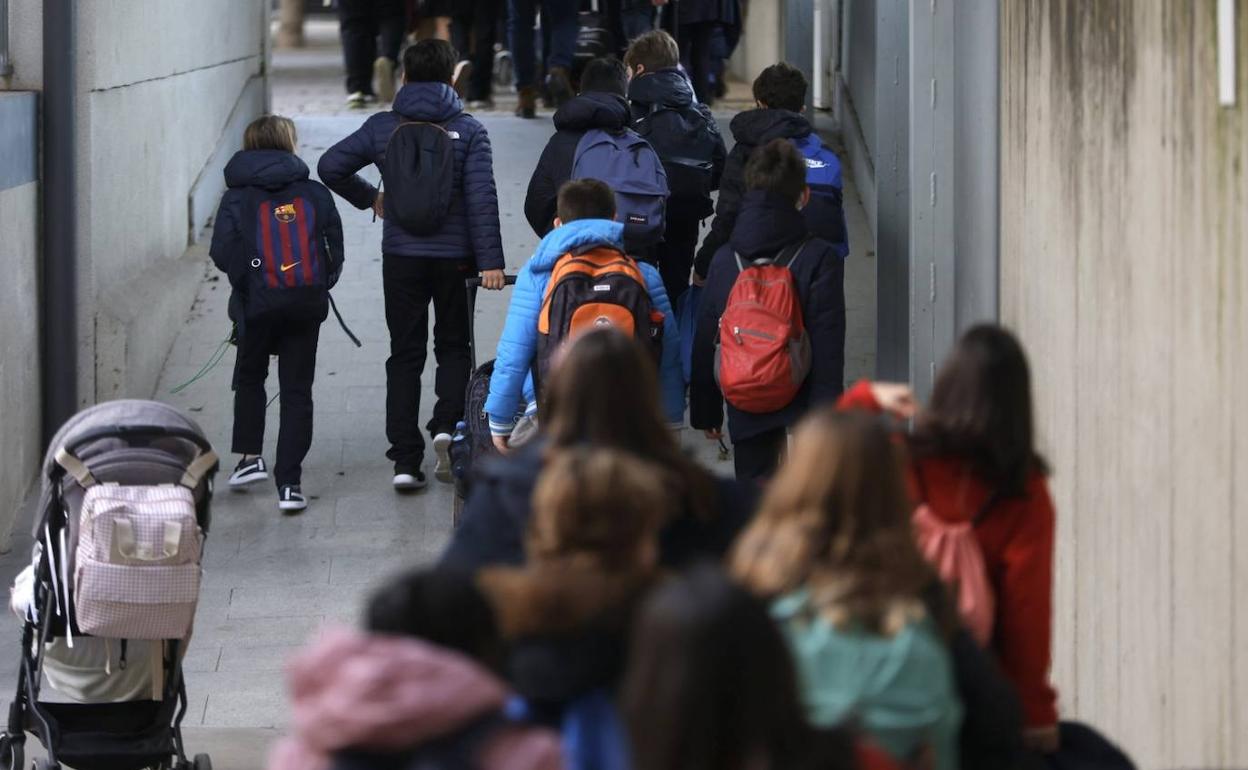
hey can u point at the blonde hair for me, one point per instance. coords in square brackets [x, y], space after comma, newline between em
[836, 520]
[597, 506]
[271, 132]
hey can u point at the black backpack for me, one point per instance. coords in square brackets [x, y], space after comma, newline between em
[290, 268]
[686, 139]
[418, 172]
[593, 39]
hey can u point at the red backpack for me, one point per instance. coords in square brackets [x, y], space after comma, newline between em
[764, 351]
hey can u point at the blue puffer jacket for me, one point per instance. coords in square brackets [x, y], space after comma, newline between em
[471, 228]
[512, 378]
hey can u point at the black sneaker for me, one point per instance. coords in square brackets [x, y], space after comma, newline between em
[249, 472]
[409, 479]
[290, 499]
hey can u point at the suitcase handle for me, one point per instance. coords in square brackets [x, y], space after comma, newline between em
[472, 285]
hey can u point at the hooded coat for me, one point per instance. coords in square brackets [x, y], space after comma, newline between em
[750, 129]
[389, 695]
[662, 102]
[471, 229]
[274, 171]
[511, 385]
[593, 109]
[767, 224]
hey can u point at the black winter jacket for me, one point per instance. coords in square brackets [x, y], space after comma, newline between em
[765, 226]
[669, 89]
[272, 170]
[491, 530]
[471, 230]
[750, 129]
[594, 109]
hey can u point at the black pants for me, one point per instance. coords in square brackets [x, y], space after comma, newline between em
[757, 457]
[695, 44]
[674, 256]
[362, 23]
[294, 342]
[473, 29]
[410, 284]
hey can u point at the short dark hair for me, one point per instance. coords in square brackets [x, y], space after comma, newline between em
[429, 61]
[777, 167]
[441, 606]
[585, 199]
[781, 87]
[605, 74]
[655, 50]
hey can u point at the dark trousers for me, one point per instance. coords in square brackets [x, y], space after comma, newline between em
[559, 16]
[472, 33]
[362, 24]
[757, 457]
[410, 284]
[674, 256]
[294, 342]
[695, 45]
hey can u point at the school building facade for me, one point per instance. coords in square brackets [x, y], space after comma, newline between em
[1075, 170]
[116, 120]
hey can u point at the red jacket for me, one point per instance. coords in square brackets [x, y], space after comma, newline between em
[1017, 539]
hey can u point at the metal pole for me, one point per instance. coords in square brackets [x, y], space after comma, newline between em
[6, 64]
[59, 300]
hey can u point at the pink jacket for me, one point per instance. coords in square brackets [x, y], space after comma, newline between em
[351, 690]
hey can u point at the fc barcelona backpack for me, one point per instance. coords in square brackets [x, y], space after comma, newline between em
[291, 268]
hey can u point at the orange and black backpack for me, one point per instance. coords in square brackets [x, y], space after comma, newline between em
[596, 288]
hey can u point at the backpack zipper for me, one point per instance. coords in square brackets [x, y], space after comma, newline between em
[738, 332]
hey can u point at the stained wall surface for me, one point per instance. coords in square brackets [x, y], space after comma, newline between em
[1123, 203]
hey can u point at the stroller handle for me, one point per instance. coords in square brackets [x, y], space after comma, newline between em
[133, 432]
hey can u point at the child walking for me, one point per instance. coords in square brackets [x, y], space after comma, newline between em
[441, 227]
[278, 238]
[973, 459]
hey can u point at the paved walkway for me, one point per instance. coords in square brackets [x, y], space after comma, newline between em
[272, 582]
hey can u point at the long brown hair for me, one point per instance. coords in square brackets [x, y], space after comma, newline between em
[605, 392]
[836, 520]
[981, 410]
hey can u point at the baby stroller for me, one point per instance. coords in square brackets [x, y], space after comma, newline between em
[472, 441]
[120, 524]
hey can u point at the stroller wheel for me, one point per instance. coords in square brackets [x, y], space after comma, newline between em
[12, 756]
[45, 764]
[202, 762]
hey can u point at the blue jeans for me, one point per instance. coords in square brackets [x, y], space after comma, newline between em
[559, 16]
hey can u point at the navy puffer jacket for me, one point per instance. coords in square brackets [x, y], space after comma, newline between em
[471, 228]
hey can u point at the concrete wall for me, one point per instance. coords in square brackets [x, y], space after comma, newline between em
[19, 314]
[149, 125]
[1123, 268]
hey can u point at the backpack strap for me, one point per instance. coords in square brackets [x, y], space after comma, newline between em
[788, 256]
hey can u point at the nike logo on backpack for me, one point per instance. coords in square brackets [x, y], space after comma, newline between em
[284, 268]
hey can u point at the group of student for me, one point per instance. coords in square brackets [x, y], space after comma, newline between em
[608, 602]
[858, 596]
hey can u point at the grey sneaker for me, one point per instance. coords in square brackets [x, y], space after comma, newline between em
[442, 451]
[383, 77]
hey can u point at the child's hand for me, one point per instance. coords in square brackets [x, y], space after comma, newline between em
[379, 209]
[492, 280]
[501, 443]
[713, 434]
[895, 398]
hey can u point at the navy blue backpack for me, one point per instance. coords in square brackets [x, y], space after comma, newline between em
[825, 214]
[291, 267]
[633, 171]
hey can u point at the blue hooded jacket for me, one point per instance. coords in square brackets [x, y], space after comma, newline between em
[512, 379]
[471, 228]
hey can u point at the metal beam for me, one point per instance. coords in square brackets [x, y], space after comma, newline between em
[59, 301]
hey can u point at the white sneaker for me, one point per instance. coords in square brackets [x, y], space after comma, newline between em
[290, 499]
[409, 479]
[248, 472]
[460, 77]
[383, 74]
[359, 100]
[442, 451]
